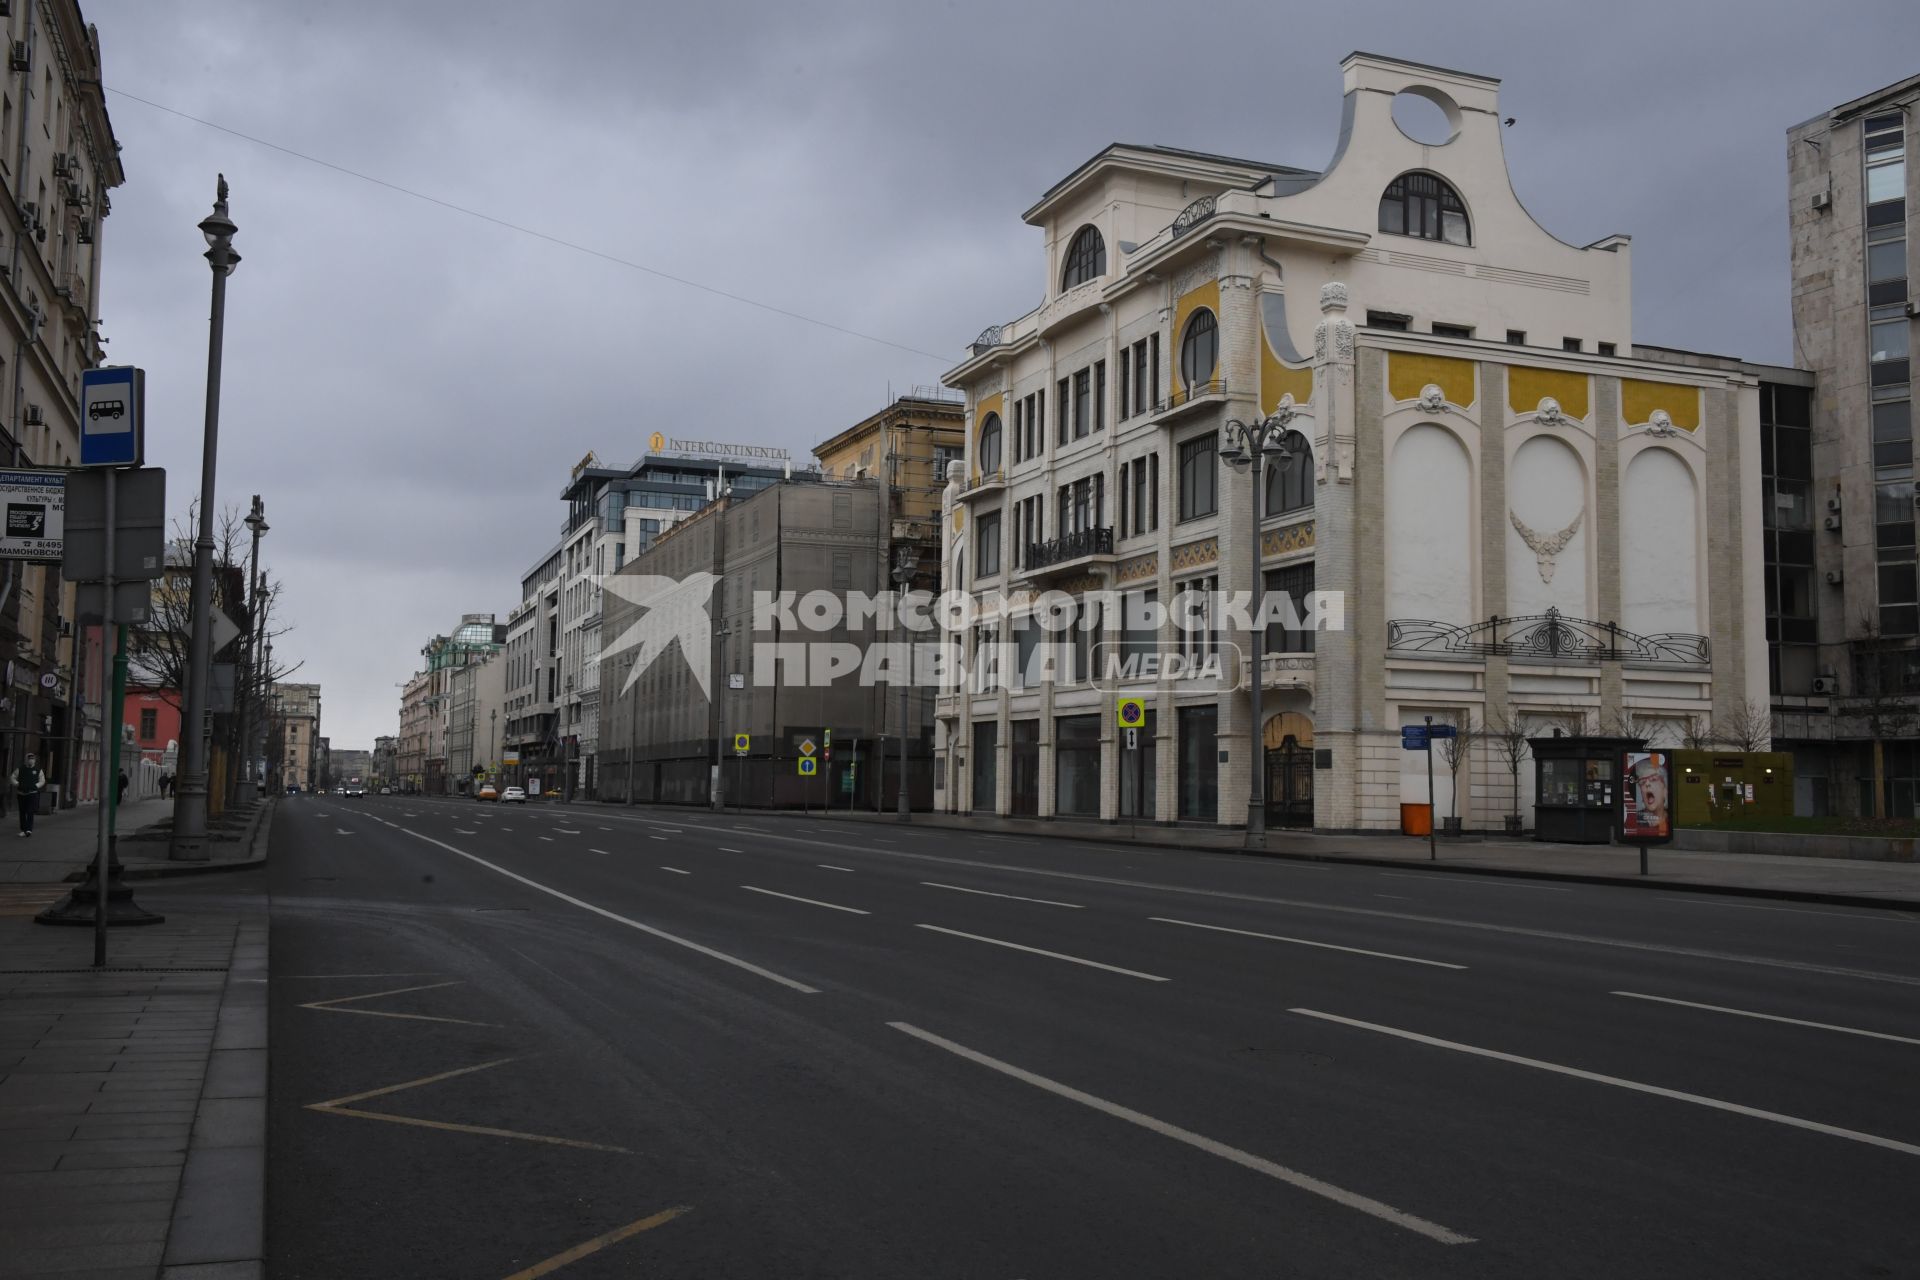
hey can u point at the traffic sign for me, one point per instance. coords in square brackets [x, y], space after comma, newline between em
[807, 748]
[808, 766]
[1133, 739]
[139, 521]
[1442, 731]
[741, 742]
[112, 433]
[1413, 737]
[1133, 712]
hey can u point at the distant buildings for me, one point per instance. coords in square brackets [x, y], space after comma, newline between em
[426, 703]
[293, 736]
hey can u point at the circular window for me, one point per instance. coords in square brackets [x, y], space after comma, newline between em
[1199, 349]
[1427, 116]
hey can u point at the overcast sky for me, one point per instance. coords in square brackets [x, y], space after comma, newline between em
[407, 386]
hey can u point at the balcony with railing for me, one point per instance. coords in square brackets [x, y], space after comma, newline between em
[1189, 399]
[1080, 549]
[982, 483]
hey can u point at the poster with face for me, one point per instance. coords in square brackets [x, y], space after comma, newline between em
[1646, 798]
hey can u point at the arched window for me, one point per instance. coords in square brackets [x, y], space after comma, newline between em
[1086, 258]
[1199, 349]
[1421, 204]
[989, 452]
[1291, 489]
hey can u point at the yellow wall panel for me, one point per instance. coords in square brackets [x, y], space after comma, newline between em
[1277, 380]
[1208, 296]
[1407, 373]
[1639, 399]
[1528, 385]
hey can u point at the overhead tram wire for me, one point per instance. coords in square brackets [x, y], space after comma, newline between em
[529, 231]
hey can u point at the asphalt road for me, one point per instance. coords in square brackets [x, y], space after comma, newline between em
[610, 1042]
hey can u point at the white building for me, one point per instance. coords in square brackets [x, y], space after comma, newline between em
[1525, 519]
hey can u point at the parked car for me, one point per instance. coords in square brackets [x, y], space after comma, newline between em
[486, 792]
[514, 795]
[386, 791]
[292, 789]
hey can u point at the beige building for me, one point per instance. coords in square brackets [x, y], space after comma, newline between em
[1841, 492]
[1499, 507]
[416, 715]
[295, 709]
[58, 159]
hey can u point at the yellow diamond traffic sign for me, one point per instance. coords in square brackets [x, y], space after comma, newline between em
[806, 747]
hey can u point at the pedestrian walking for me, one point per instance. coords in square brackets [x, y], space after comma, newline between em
[28, 781]
[166, 784]
[122, 798]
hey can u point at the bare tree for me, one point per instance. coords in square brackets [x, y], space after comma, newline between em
[1700, 734]
[1882, 697]
[1508, 736]
[1457, 750]
[1749, 728]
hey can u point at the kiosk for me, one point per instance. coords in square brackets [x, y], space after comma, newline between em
[1576, 787]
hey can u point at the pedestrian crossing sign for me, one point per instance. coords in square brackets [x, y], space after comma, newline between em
[808, 766]
[741, 742]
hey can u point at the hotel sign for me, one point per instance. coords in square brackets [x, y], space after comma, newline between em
[660, 443]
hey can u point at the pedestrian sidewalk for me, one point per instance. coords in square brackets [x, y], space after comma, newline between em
[1831, 880]
[62, 845]
[133, 1098]
[64, 841]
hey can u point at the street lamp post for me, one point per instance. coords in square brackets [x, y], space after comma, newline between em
[905, 558]
[1250, 445]
[257, 523]
[493, 719]
[720, 637]
[190, 804]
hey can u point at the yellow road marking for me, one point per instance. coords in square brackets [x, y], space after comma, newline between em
[339, 1107]
[598, 1243]
[331, 1006]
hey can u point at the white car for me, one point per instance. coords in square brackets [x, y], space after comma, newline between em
[514, 795]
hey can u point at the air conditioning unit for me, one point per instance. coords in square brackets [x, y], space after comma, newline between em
[1833, 503]
[1833, 523]
[1822, 200]
[22, 58]
[1835, 577]
[84, 232]
[1826, 684]
[62, 164]
[75, 195]
[30, 213]
[35, 416]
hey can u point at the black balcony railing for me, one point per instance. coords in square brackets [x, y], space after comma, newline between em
[1187, 395]
[1070, 546]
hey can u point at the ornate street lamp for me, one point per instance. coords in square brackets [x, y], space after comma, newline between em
[1252, 445]
[190, 803]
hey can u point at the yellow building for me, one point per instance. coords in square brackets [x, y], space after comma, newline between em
[905, 446]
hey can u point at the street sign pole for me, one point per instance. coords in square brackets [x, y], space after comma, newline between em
[109, 784]
[1433, 847]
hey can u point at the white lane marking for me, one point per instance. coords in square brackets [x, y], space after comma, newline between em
[677, 871]
[1304, 942]
[1701, 900]
[1397, 897]
[726, 849]
[548, 839]
[648, 929]
[1247, 1160]
[812, 902]
[825, 866]
[1387, 913]
[651, 836]
[1045, 902]
[341, 831]
[1486, 881]
[1658, 1091]
[1772, 1017]
[463, 831]
[751, 830]
[1054, 955]
[598, 851]
[566, 831]
[506, 828]
[606, 828]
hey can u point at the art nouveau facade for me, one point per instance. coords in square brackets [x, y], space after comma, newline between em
[1526, 520]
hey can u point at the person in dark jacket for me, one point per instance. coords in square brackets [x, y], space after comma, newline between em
[122, 797]
[28, 782]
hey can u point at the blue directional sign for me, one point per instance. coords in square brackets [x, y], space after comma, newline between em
[1440, 731]
[112, 430]
[1413, 737]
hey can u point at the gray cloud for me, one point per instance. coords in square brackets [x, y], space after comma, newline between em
[407, 386]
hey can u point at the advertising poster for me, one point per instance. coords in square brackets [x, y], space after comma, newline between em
[1646, 799]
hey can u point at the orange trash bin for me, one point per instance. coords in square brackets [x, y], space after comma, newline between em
[1416, 819]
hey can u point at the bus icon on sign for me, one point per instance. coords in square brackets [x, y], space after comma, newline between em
[107, 409]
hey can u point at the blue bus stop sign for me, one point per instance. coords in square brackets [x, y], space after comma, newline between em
[112, 430]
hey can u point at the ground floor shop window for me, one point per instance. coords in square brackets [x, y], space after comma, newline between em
[1076, 771]
[986, 765]
[1199, 766]
[1024, 766]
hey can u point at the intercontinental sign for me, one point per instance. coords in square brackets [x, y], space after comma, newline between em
[659, 443]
